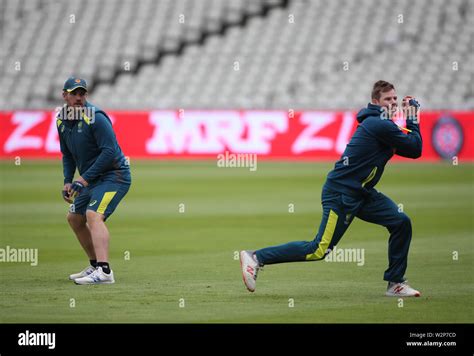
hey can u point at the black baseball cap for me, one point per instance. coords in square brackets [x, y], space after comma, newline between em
[73, 83]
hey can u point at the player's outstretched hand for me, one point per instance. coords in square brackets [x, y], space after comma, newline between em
[65, 193]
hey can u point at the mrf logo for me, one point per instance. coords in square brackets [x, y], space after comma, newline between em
[37, 339]
[201, 132]
[214, 132]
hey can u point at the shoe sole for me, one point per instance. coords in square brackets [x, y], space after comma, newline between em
[243, 273]
[86, 284]
[399, 295]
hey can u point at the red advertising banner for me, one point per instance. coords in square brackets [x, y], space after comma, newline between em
[308, 135]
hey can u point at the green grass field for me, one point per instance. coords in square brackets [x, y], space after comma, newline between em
[188, 257]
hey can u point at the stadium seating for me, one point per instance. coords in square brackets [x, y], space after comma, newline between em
[261, 54]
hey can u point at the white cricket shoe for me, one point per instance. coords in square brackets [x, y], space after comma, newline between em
[97, 277]
[250, 269]
[401, 290]
[85, 272]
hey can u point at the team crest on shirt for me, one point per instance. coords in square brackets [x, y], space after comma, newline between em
[79, 127]
[62, 128]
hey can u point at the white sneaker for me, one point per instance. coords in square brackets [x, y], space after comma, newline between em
[97, 277]
[85, 272]
[401, 290]
[249, 268]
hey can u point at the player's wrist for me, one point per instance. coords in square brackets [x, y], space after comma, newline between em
[412, 120]
[82, 181]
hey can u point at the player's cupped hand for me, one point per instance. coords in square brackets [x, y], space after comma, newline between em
[76, 188]
[406, 101]
[66, 193]
[408, 107]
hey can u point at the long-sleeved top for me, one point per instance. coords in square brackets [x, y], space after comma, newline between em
[89, 144]
[374, 142]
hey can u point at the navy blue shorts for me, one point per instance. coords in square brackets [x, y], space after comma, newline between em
[102, 197]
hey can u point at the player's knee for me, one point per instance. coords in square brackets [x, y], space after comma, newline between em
[94, 217]
[313, 252]
[404, 220]
[325, 255]
[75, 219]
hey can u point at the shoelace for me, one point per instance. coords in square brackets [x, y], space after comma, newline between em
[94, 275]
[259, 267]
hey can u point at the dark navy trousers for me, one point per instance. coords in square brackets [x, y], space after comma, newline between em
[338, 212]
